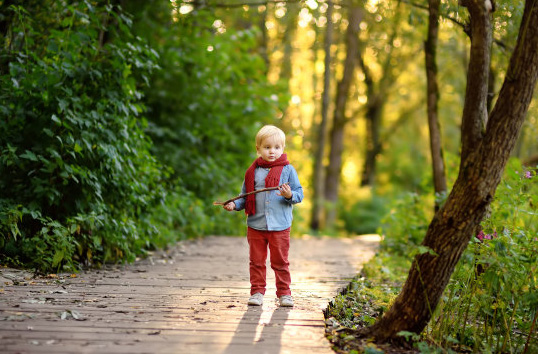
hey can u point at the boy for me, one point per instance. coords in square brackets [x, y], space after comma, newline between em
[269, 214]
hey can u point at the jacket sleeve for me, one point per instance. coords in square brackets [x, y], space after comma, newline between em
[240, 203]
[296, 188]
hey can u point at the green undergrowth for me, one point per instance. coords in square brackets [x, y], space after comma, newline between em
[491, 302]
[364, 300]
[112, 130]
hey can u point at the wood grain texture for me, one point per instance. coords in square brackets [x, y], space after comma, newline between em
[189, 299]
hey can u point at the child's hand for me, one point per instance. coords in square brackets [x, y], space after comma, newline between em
[230, 206]
[285, 191]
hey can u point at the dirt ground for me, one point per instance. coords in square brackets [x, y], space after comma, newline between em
[189, 299]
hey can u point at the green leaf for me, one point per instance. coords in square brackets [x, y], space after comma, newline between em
[63, 104]
[14, 230]
[58, 257]
[408, 335]
[424, 249]
[29, 156]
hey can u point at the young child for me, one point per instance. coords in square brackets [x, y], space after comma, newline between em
[269, 214]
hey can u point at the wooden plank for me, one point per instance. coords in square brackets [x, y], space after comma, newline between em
[190, 299]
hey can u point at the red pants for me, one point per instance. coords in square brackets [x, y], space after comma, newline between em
[279, 245]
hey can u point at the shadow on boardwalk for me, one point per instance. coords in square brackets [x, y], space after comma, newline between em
[190, 299]
[260, 337]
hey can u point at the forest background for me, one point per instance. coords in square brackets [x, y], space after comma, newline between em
[122, 121]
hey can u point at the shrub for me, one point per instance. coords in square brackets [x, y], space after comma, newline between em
[78, 181]
[364, 217]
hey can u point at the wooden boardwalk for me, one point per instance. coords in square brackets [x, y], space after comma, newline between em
[190, 299]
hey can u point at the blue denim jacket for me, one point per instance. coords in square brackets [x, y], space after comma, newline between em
[278, 210]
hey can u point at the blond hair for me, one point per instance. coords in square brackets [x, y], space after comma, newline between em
[270, 131]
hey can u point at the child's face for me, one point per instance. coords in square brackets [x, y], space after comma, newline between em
[270, 150]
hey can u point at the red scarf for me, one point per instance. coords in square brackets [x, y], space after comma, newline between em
[272, 179]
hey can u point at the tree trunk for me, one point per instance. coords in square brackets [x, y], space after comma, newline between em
[5, 18]
[5, 23]
[436, 148]
[263, 44]
[373, 143]
[105, 34]
[491, 88]
[289, 35]
[377, 97]
[481, 169]
[319, 173]
[337, 132]
[373, 122]
[475, 107]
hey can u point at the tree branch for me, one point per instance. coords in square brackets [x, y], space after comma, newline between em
[202, 3]
[249, 193]
[464, 26]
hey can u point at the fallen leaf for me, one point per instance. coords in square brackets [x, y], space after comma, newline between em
[73, 314]
[76, 315]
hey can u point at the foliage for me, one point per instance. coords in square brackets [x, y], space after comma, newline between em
[492, 298]
[491, 301]
[207, 103]
[367, 297]
[364, 217]
[364, 300]
[78, 181]
[406, 223]
[118, 131]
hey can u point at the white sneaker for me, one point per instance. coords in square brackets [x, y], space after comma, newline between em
[286, 301]
[256, 299]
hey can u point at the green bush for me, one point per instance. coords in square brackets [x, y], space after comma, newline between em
[364, 217]
[206, 104]
[78, 181]
[96, 164]
[491, 301]
[492, 298]
[406, 223]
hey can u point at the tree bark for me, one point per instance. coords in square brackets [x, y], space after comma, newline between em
[491, 88]
[475, 107]
[5, 23]
[319, 173]
[264, 39]
[289, 35]
[436, 148]
[5, 19]
[377, 94]
[337, 132]
[373, 143]
[481, 169]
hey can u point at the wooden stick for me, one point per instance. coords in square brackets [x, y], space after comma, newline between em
[249, 193]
